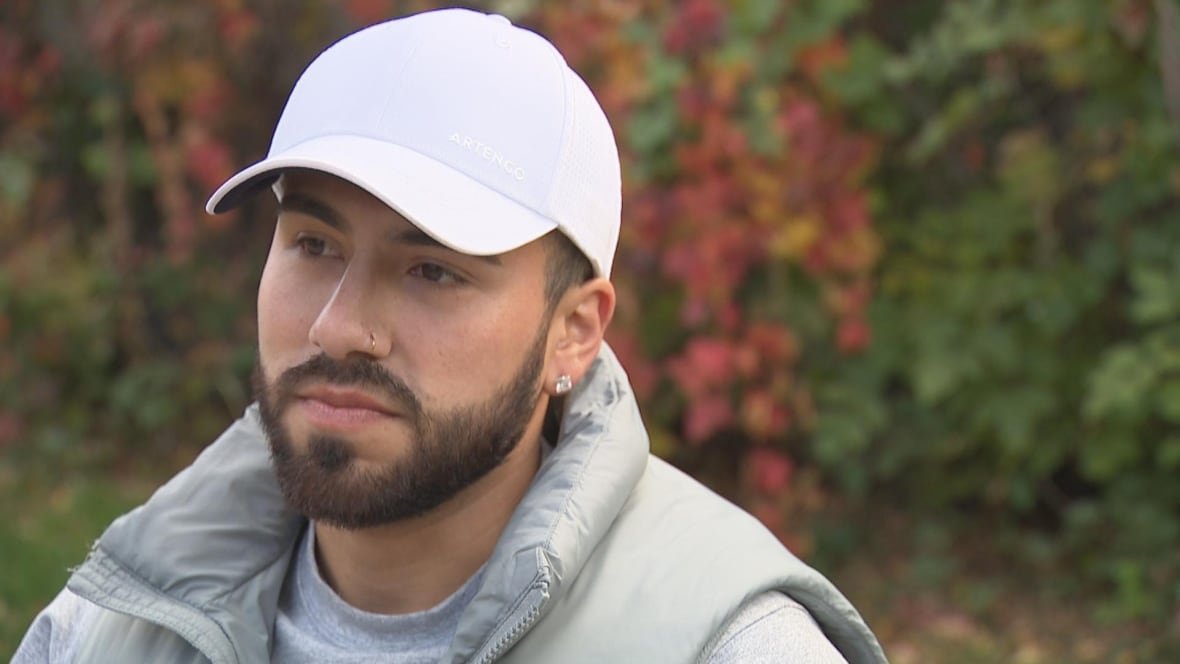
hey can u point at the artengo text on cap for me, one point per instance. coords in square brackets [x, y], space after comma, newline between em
[488, 152]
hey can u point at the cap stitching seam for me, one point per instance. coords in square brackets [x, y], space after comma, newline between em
[405, 62]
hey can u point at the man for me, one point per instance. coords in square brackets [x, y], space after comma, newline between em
[446, 462]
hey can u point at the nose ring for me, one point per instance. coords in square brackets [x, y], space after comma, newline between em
[372, 342]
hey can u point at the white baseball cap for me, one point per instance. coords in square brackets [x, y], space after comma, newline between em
[475, 130]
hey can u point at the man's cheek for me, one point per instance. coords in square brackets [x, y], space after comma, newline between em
[285, 310]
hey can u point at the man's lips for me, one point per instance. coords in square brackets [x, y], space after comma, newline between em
[338, 397]
[342, 408]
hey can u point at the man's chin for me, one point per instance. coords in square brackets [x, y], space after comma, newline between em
[351, 496]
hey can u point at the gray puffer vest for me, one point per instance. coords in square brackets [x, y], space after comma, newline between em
[612, 556]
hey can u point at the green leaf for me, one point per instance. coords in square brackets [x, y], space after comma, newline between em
[16, 180]
[751, 17]
[1167, 399]
[1167, 454]
[1121, 383]
[812, 21]
[1157, 298]
[861, 84]
[1107, 454]
[1030, 168]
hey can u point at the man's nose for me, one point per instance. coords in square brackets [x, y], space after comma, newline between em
[348, 324]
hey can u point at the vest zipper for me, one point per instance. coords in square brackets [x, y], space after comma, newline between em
[509, 638]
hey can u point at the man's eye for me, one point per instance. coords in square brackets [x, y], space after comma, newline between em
[435, 273]
[313, 246]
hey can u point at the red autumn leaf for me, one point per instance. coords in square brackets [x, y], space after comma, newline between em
[817, 260]
[693, 101]
[181, 230]
[974, 155]
[48, 62]
[800, 118]
[773, 342]
[642, 372]
[585, 32]
[697, 24]
[757, 414]
[367, 12]
[1132, 19]
[825, 55]
[208, 102]
[849, 300]
[705, 417]
[769, 471]
[705, 364]
[11, 429]
[105, 30]
[238, 27]
[210, 162]
[143, 37]
[729, 315]
[848, 212]
[853, 335]
[12, 95]
[694, 312]
[854, 253]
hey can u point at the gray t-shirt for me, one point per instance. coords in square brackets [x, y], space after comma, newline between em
[314, 625]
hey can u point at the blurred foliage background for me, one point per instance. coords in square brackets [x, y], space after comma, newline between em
[902, 278]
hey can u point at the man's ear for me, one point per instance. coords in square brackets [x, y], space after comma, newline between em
[579, 322]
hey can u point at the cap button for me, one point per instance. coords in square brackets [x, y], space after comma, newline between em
[501, 35]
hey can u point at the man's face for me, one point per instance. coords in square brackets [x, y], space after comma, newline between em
[393, 372]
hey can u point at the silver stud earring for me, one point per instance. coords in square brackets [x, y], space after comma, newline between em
[564, 384]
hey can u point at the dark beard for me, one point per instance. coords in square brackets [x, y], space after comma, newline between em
[447, 452]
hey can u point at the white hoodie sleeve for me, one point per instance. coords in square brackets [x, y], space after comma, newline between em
[772, 629]
[51, 637]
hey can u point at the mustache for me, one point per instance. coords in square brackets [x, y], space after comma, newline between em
[353, 372]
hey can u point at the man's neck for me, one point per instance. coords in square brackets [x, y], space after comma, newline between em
[414, 564]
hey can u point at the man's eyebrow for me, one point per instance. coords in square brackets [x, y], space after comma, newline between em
[416, 237]
[303, 204]
[413, 236]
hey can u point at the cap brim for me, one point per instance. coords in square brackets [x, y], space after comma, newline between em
[451, 207]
